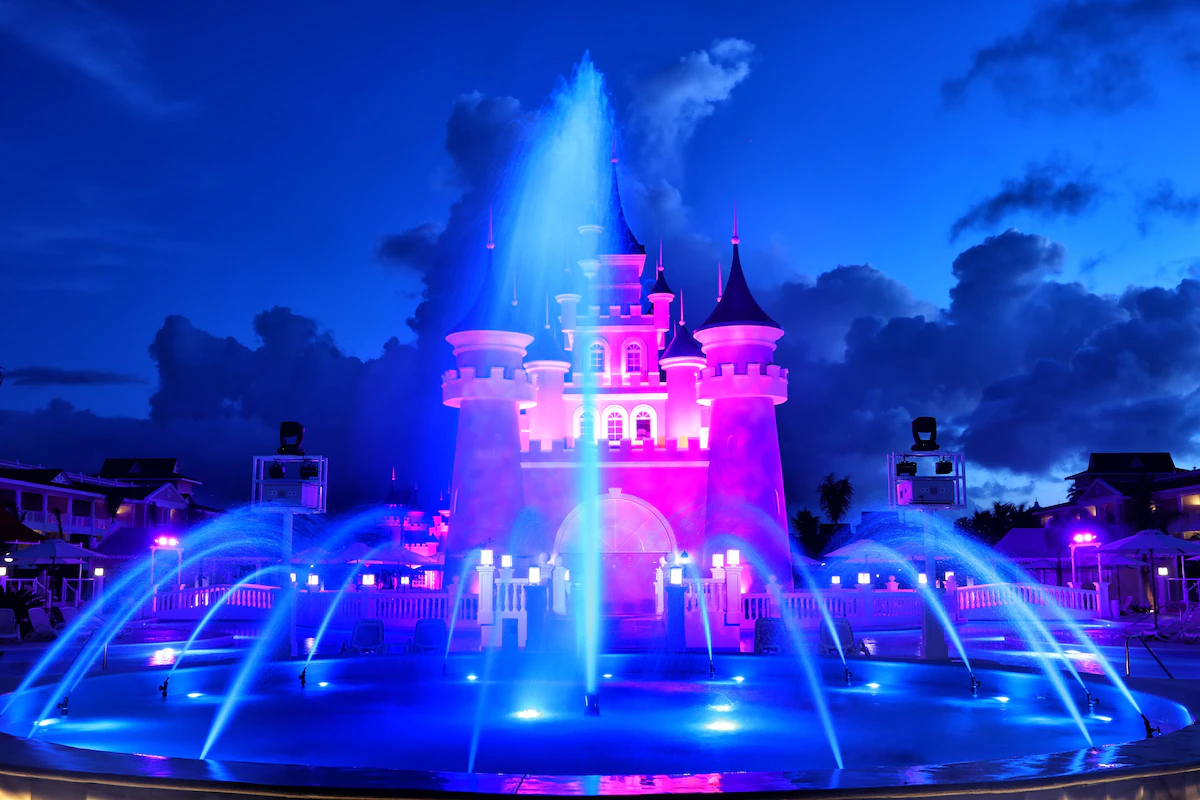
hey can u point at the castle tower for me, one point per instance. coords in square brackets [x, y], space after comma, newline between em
[547, 365]
[489, 387]
[682, 361]
[660, 297]
[743, 385]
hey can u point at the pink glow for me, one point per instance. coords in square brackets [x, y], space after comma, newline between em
[1080, 538]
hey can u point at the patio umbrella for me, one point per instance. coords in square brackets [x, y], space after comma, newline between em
[1148, 543]
[57, 551]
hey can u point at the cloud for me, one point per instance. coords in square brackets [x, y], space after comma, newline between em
[44, 377]
[94, 43]
[1095, 55]
[1046, 190]
[1167, 201]
[669, 104]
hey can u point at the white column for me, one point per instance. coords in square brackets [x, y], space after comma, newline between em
[733, 594]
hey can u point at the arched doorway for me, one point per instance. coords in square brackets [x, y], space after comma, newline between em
[633, 536]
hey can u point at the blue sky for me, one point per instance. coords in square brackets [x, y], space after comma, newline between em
[216, 160]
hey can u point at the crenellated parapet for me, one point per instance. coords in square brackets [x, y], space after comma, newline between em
[743, 380]
[495, 383]
[620, 380]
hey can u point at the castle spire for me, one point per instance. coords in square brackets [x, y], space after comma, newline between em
[660, 260]
[720, 288]
[735, 234]
[737, 305]
[681, 322]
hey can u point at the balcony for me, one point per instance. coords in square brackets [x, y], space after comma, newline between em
[45, 522]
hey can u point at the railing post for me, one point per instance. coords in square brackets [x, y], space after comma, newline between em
[733, 594]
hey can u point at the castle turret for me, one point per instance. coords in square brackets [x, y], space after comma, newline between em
[489, 387]
[661, 297]
[547, 365]
[682, 361]
[742, 384]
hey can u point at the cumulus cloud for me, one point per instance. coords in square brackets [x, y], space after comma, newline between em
[669, 104]
[93, 42]
[1094, 55]
[1167, 201]
[1046, 190]
[43, 377]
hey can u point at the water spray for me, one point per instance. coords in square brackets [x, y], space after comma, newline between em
[303, 676]
[975, 684]
[591, 704]
[1150, 730]
[162, 687]
[443, 667]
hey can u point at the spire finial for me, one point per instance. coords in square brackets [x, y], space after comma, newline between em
[720, 287]
[614, 148]
[514, 300]
[735, 232]
[547, 312]
[660, 259]
[491, 245]
[681, 322]
[393, 475]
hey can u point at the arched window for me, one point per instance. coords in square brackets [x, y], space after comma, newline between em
[643, 421]
[596, 357]
[641, 425]
[615, 424]
[587, 425]
[633, 357]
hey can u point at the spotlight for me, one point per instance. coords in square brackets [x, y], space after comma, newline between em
[906, 467]
[944, 466]
[291, 437]
[308, 471]
[924, 431]
[275, 471]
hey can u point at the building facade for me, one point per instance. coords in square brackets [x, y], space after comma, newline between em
[615, 421]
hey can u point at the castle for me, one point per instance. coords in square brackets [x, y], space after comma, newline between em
[680, 427]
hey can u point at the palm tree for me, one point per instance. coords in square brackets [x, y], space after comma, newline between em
[807, 527]
[992, 525]
[835, 496]
[1074, 493]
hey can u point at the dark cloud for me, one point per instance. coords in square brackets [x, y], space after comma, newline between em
[1046, 190]
[43, 377]
[1167, 201]
[1095, 55]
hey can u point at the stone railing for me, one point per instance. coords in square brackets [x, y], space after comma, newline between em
[995, 601]
[247, 602]
[878, 610]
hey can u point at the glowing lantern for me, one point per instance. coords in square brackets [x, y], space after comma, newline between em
[864, 578]
[535, 575]
[566, 576]
[718, 560]
[368, 580]
[506, 562]
[676, 576]
[733, 558]
[949, 574]
[923, 579]
[314, 579]
[293, 577]
[1163, 571]
[3, 572]
[487, 557]
[405, 581]
[97, 572]
[836, 580]
[173, 542]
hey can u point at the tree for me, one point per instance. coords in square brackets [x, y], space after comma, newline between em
[1074, 493]
[807, 528]
[992, 525]
[1056, 542]
[835, 496]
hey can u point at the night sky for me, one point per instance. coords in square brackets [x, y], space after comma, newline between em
[214, 216]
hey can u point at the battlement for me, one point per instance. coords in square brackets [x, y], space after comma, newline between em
[642, 450]
[621, 380]
[499, 383]
[743, 380]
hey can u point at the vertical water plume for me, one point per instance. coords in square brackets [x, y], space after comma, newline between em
[826, 615]
[333, 604]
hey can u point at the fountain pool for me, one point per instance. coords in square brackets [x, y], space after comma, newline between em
[394, 721]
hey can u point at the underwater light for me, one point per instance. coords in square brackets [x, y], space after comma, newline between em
[323, 684]
[194, 695]
[608, 675]
[1002, 699]
[1101, 718]
[738, 679]
[722, 707]
[43, 723]
[529, 713]
[472, 677]
[722, 725]
[872, 685]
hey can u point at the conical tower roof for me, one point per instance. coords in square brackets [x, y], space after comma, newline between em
[621, 239]
[683, 344]
[545, 346]
[737, 305]
[495, 309]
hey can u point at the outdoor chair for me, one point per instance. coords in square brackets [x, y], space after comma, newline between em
[1127, 605]
[845, 639]
[39, 620]
[62, 616]
[367, 637]
[10, 631]
[429, 636]
[1173, 629]
[770, 635]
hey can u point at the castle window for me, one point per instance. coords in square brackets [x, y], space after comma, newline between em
[616, 426]
[587, 426]
[642, 423]
[596, 357]
[633, 357]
